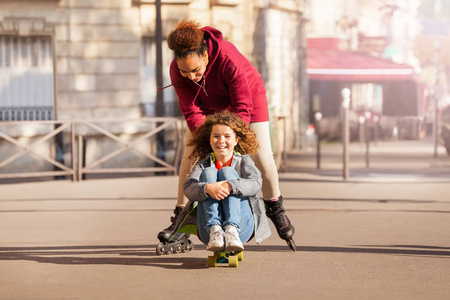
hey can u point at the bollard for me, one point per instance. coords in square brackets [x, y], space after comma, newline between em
[376, 133]
[317, 118]
[437, 46]
[345, 131]
[367, 115]
[362, 138]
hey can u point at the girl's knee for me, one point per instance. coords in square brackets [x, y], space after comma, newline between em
[209, 175]
[227, 173]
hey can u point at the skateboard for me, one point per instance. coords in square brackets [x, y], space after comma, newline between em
[225, 257]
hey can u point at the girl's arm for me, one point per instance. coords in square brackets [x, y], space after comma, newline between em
[193, 188]
[250, 182]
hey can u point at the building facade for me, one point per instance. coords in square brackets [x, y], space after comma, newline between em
[90, 60]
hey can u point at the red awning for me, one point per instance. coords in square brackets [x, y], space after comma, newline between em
[337, 65]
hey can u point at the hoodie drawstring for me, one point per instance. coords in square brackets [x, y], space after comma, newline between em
[202, 86]
[164, 87]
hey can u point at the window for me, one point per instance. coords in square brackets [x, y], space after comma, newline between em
[26, 78]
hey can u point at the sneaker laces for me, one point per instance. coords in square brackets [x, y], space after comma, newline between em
[216, 234]
[231, 233]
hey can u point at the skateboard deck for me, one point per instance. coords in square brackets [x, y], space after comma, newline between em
[225, 257]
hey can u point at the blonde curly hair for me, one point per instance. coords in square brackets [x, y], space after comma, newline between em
[247, 143]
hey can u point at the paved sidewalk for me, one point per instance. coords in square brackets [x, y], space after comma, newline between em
[96, 240]
[411, 160]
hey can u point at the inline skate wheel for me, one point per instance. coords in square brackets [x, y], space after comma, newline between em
[190, 245]
[159, 249]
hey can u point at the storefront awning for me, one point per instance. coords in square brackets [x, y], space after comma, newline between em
[337, 65]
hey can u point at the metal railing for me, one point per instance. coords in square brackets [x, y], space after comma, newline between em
[56, 127]
[80, 132]
[160, 124]
[12, 132]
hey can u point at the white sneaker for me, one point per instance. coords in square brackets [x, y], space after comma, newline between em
[215, 239]
[232, 240]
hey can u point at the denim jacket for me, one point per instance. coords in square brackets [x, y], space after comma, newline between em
[248, 185]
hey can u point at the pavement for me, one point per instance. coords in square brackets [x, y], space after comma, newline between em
[381, 234]
[410, 160]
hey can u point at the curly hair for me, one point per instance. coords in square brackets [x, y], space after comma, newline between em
[247, 143]
[186, 38]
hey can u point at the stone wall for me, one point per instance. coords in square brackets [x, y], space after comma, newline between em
[280, 54]
[97, 52]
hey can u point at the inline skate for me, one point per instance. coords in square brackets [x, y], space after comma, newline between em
[275, 211]
[173, 243]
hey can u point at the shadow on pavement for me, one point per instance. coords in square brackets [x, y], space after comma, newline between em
[429, 251]
[88, 199]
[132, 255]
[144, 255]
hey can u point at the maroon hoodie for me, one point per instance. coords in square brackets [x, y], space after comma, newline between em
[230, 83]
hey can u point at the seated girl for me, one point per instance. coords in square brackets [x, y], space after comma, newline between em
[225, 183]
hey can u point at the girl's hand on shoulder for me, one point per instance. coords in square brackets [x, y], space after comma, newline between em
[218, 190]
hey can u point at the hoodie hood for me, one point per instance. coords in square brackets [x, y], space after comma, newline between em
[213, 39]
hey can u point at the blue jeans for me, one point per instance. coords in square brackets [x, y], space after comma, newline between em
[232, 210]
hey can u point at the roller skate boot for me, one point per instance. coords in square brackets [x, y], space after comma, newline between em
[164, 236]
[275, 211]
[178, 242]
